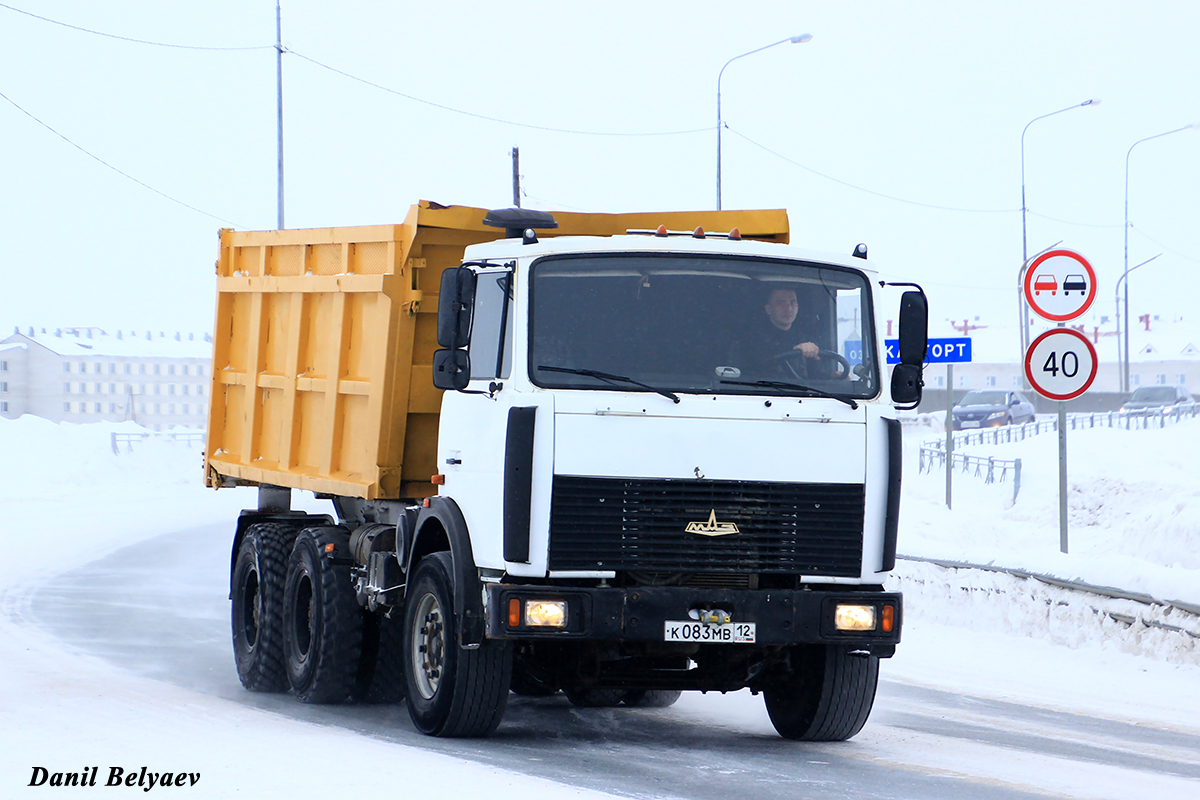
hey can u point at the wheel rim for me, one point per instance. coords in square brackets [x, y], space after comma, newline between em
[429, 646]
[302, 621]
[251, 609]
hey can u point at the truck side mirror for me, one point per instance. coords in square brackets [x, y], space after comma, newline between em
[455, 303]
[907, 380]
[914, 327]
[906, 385]
[451, 369]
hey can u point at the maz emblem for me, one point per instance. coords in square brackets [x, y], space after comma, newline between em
[712, 527]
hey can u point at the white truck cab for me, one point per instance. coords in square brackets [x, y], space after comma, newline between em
[657, 494]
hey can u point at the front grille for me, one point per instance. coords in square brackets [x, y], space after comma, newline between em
[640, 524]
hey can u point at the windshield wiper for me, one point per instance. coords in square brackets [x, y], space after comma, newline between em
[796, 387]
[608, 376]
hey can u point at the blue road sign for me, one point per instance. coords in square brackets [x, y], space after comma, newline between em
[940, 351]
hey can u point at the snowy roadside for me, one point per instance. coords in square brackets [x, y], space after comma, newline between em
[66, 710]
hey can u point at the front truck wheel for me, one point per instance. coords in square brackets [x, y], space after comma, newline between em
[323, 623]
[257, 584]
[824, 695]
[451, 691]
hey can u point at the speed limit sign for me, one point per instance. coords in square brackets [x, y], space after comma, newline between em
[1061, 364]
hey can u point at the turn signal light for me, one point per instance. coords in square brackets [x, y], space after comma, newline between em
[854, 618]
[514, 613]
[888, 619]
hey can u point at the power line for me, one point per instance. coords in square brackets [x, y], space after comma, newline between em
[1072, 222]
[1142, 233]
[374, 85]
[871, 191]
[126, 38]
[114, 169]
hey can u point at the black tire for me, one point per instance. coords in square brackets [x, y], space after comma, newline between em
[256, 607]
[381, 668]
[826, 695]
[450, 691]
[596, 698]
[652, 698]
[322, 621]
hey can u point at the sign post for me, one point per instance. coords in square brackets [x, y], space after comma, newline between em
[951, 351]
[1061, 364]
[949, 430]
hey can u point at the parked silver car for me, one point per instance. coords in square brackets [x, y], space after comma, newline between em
[1157, 399]
[988, 408]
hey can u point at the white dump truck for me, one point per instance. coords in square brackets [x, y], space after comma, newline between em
[564, 453]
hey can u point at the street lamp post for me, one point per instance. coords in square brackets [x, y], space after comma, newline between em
[802, 38]
[1023, 309]
[1125, 361]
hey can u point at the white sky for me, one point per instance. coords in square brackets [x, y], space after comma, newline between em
[923, 101]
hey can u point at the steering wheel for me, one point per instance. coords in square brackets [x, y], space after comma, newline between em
[795, 363]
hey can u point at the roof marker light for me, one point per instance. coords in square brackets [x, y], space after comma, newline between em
[735, 235]
[662, 231]
[698, 233]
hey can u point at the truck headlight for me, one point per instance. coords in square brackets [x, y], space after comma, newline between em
[848, 617]
[546, 613]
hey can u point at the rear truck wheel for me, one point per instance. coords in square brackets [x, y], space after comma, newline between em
[257, 585]
[652, 698]
[381, 668]
[825, 694]
[450, 691]
[322, 621]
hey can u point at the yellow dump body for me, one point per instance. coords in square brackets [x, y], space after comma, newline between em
[324, 340]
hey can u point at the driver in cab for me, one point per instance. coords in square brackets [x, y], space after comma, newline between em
[778, 347]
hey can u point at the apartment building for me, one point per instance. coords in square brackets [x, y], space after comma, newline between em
[158, 379]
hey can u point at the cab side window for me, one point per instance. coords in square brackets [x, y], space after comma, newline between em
[491, 327]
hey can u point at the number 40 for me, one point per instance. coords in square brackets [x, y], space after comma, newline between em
[1068, 363]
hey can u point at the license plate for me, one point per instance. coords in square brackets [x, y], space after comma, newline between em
[970, 424]
[729, 633]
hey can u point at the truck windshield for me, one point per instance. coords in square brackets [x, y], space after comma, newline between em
[701, 324]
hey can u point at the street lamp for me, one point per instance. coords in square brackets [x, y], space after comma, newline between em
[1021, 306]
[1117, 321]
[1125, 362]
[801, 39]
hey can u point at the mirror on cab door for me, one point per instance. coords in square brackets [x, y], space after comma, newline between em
[907, 379]
[452, 365]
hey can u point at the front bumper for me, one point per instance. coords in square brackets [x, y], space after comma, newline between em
[640, 614]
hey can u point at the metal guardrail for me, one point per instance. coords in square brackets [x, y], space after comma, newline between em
[1192, 609]
[992, 470]
[933, 453]
[127, 440]
[1142, 419]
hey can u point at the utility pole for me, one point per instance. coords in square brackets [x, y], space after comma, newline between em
[516, 158]
[279, 102]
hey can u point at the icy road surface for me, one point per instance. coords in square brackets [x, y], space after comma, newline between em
[158, 609]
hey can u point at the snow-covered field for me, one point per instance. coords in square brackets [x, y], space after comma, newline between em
[66, 500]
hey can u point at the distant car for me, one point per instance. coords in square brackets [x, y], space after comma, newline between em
[1074, 283]
[1045, 283]
[988, 408]
[1157, 399]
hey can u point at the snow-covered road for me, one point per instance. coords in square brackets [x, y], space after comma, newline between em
[157, 609]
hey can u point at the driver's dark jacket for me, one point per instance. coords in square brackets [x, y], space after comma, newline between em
[759, 346]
